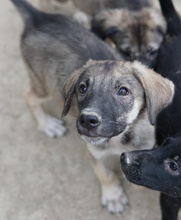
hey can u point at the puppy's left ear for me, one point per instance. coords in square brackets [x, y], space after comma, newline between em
[159, 91]
[69, 90]
[100, 27]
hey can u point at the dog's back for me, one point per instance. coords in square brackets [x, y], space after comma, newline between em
[169, 65]
[57, 45]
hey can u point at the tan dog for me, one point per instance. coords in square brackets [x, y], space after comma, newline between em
[117, 101]
[136, 28]
[81, 12]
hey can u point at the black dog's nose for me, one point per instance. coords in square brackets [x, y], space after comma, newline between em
[129, 158]
[123, 158]
[89, 121]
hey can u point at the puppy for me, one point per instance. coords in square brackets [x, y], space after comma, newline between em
[136, 28]
[53, 47]
[117, 103]
[159, 169]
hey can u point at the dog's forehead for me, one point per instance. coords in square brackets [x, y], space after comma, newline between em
[110, 72]
[170, 149]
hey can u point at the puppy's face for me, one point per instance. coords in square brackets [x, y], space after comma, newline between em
[109, 100]
[136, 34]
[110, 96]
[158, 169]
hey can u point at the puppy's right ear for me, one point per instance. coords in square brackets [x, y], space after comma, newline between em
[69, 87]
[69, 90]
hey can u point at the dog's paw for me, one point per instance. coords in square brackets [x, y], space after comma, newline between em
[113, 198]
[53, 127]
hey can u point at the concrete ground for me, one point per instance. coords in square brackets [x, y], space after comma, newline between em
[42, 178]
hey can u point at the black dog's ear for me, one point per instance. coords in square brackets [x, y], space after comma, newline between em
[69, 90]
[167, 141]
[159, 91]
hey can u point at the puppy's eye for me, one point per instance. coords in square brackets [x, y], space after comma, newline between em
[173, 166]
[82, 88]
[123, 91]
[127, 51]
[151, 50]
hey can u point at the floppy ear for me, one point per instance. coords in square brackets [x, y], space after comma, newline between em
[100, 26]
[159, 91]
[69, 90]
[69, 87]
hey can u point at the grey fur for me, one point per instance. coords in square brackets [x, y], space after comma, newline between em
[53, 47]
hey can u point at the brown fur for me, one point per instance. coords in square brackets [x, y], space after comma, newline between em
[139, 26]
[136, 34]
[53, 47]
[138, 134]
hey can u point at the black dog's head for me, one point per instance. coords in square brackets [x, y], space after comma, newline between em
[110, 96]
[158, 169]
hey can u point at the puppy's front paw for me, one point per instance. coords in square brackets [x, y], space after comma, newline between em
[113, 198]
[53, 127]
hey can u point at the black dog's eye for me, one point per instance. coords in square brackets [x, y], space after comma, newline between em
[173, 166]
[123, 91]
[82, 88]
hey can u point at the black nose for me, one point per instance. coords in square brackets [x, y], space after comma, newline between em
[123, 158]
[89, 121]
[130, 159]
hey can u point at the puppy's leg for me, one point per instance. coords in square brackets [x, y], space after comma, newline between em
[38, 93]
[50, 125]
[113, 197]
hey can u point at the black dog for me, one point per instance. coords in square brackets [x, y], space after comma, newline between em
[160, 169]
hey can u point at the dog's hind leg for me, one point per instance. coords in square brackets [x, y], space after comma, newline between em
[51, 126]
[113, 197]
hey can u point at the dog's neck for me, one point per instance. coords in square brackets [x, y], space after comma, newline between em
[139, 135]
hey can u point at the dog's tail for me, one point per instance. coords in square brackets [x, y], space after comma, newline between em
[172, 18]
[27, 11]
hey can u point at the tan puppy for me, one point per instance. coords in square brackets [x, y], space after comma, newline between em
[117, 101]
[136, 28]
[117, 107]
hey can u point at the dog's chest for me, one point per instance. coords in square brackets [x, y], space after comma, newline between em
[124, 142]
